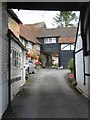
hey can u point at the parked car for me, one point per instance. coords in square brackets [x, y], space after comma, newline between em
[26, 69]
[32, 67]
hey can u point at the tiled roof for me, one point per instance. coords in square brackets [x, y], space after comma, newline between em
[67, 34]
[37, 25]
[34, 30]
[66, 40]
[14, 38]
[28, 34]
[57, 32]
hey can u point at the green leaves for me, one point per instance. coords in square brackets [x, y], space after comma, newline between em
[64, 18]
[71, 65]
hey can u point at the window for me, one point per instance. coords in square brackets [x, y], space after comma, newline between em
[38, 47]
[29, 45]
[53, 40]
[49, 40]
[15, 59]
[45, 40]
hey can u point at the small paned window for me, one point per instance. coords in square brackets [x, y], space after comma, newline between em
[49, 40]
[29, 45]
[15, 59]
[38, 47]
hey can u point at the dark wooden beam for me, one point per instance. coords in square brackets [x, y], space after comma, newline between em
[60, 6]
[59, 58]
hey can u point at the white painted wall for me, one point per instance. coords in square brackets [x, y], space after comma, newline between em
[3, 59]
[79, 62]
[87, 70]
[17, 72]
[80, 70]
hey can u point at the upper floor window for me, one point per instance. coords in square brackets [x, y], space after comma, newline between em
[29, 45]
[38, 47]
[49, 40]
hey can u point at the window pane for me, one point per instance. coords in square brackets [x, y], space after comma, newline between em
[29, 45]
[53, 40]
[49, 40]
[38, 47]
[45, 40]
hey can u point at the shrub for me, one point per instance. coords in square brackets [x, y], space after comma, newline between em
[41, 57]
[71, 65]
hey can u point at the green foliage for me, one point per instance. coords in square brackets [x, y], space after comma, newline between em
[64, 18]
[41, 57]
[71, 65]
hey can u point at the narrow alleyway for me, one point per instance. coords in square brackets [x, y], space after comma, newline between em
[48, 95]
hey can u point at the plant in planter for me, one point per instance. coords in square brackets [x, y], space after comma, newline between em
[37, 63]
[28, 54]
[71, 65]
[35, 58]
[71, 74]
[41, 58]
[32, 56]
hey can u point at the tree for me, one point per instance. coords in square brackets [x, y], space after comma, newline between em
[64, 18]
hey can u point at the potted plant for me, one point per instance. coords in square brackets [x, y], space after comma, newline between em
[41, 58]
[71, 65]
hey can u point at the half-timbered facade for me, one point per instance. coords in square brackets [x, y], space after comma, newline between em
[82, 53]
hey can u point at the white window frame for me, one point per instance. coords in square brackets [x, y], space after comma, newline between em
[38, 47]
[29, 45]
[16, 59]
[49, 40]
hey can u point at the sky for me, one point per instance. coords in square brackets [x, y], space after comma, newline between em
[34, 16]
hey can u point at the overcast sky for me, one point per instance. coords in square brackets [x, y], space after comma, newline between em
[34, 16]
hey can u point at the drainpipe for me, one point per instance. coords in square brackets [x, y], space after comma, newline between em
[59, 60]
[9, 69]
[74, 65]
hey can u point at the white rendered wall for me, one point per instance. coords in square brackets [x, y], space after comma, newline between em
[87, 71]
[80, 73]
[79, 62]
[15, 72]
